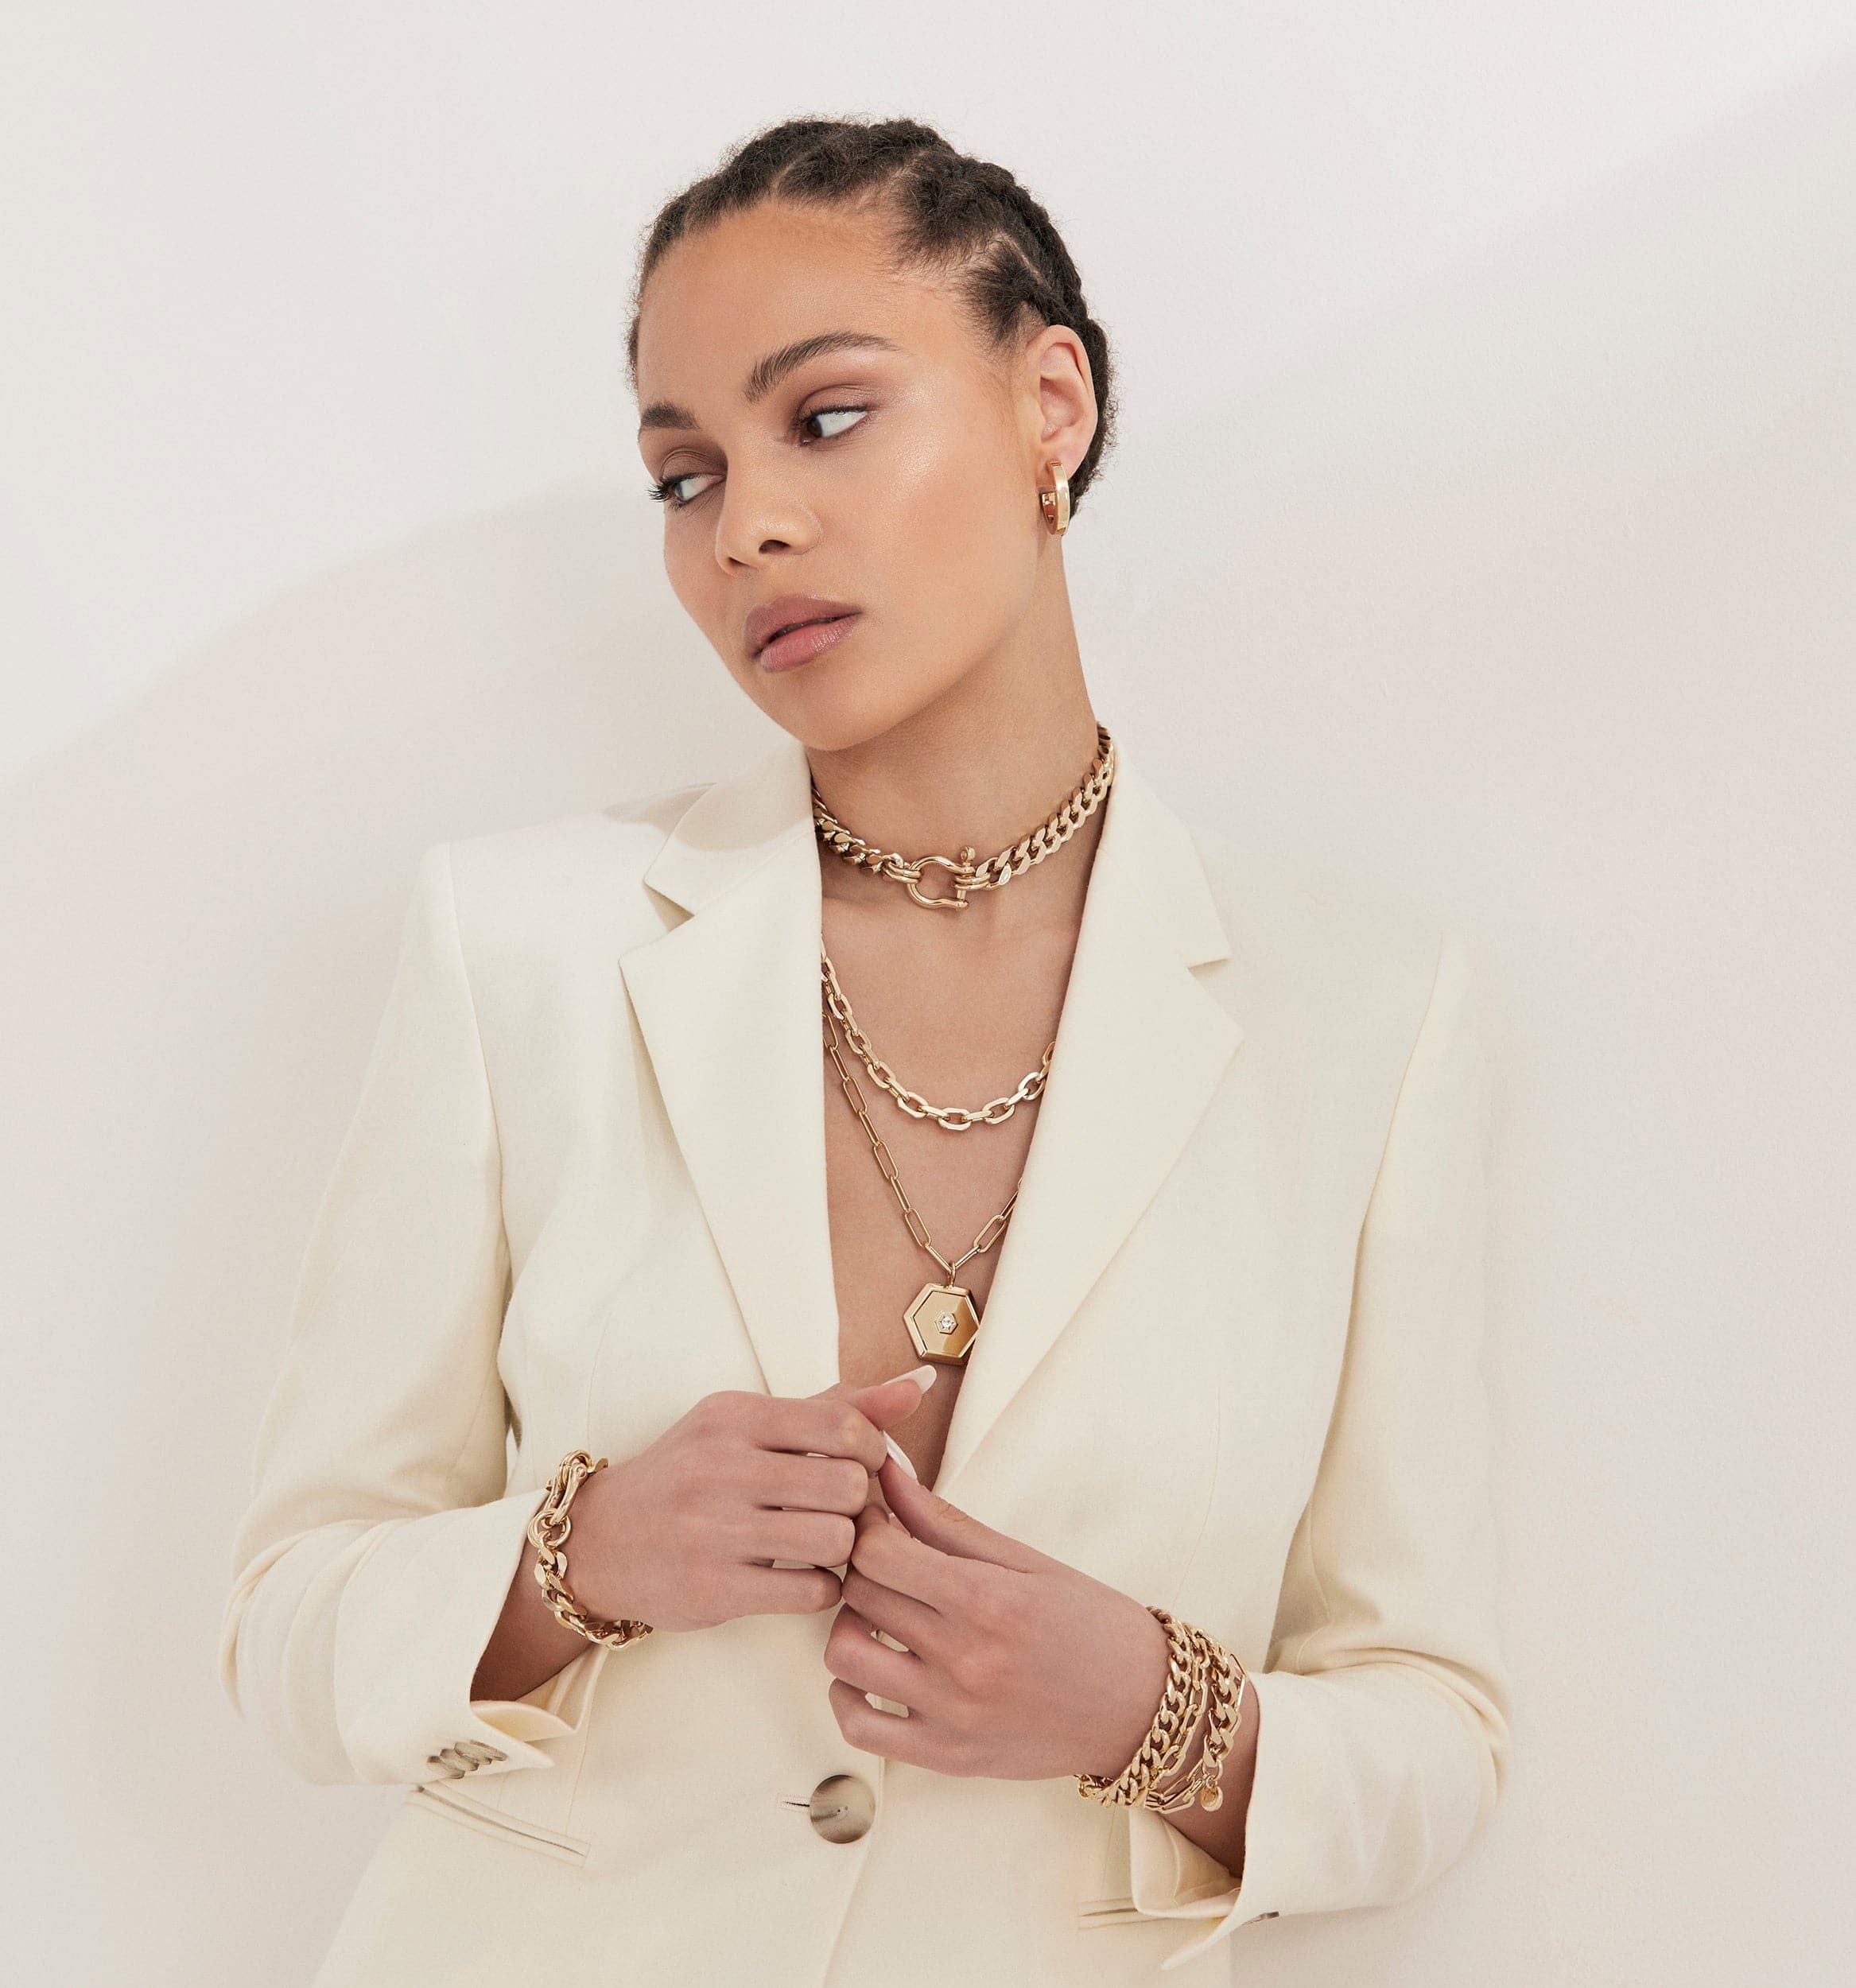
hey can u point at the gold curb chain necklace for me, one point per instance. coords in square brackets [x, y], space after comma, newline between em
[942, 1319]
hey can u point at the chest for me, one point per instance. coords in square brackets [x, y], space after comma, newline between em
[895, 1175]
[692, 1203]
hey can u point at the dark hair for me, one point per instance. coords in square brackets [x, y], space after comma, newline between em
[962, 216]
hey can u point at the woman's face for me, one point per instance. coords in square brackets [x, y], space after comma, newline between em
[897, 481]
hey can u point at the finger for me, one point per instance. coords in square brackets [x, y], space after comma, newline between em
[844, 1423]
[891, 1556]
[852, 1654]
[888, 1402]
[897, 1736]
[816, 1539]
[810, 1484]
[827, 1425]
[908, 1621]
[807, 1590]
[932, 1521]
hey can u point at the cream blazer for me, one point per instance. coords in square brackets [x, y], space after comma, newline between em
[1230, 1364]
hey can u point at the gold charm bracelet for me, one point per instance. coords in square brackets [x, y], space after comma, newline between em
[548, 1530]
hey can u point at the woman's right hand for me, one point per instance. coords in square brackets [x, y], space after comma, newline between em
[684, 1534]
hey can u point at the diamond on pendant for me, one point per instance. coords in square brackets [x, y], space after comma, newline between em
[945, 1322]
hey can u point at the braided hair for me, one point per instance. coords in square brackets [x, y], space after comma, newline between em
[963, 218]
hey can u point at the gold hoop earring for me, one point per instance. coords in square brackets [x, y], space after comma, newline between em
[1055, 501]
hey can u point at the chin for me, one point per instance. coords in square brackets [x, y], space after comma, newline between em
[834, 718]
[829, 716]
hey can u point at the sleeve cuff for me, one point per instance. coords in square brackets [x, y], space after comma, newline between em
[1173, 1878]
[1170, 1877]
[555, 1708]
[415, 1619]
[1299, 1857]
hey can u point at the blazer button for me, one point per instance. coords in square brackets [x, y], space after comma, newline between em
[842, 1808]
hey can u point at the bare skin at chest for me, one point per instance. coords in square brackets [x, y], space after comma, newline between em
[960, 1016]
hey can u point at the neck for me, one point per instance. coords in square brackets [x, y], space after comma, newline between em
[983, 762]
[954, 776]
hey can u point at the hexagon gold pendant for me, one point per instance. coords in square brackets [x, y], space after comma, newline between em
[942, 1322]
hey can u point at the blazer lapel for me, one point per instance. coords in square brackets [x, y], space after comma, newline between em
[1141, 1045]
[727, 1001]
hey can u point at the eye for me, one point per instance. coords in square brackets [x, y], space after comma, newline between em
[827, 414]
[666, 491]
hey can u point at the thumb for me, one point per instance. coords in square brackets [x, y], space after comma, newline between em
[931, 1519]
[886, 1403]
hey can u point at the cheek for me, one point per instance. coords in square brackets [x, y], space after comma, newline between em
[959, 556]
[703, 592]
[690, 568]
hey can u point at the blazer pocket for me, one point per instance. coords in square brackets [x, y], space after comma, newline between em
[508, 1829]
[1107, 1912]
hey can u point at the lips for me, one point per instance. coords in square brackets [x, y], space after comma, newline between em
[789, 611]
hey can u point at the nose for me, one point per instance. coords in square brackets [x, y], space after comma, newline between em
[760, 517]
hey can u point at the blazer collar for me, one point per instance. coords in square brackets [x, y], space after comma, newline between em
[727, 1001]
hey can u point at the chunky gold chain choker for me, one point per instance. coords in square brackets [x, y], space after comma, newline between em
[1048, 836]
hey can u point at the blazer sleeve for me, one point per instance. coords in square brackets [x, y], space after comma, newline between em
[372, 1565]
[1385, 1700]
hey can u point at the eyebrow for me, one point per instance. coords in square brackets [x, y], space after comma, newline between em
[766, 374]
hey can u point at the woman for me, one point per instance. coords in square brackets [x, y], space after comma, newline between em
[989, 1339]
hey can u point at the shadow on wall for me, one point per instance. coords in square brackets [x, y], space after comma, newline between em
[200, 897]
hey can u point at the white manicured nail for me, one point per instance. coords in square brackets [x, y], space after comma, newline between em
[901, 1456]
[924, 1374]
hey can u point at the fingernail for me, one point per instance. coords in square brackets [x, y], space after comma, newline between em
[901, 1456]
[923, 1376]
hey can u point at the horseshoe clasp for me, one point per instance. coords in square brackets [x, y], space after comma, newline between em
[961, 871]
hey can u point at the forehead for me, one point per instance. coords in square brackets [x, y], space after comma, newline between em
[719, 300]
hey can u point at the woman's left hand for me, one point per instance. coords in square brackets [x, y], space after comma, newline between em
[1016, 1665]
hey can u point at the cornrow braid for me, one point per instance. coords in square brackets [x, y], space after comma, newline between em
[965, 219]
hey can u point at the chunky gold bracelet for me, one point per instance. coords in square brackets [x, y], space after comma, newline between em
[1200, 1672]
[549, 1529]
[1160, 1751]
[1228, 1679]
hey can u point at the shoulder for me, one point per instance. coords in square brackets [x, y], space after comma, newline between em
[541, 883]
[1323, 956]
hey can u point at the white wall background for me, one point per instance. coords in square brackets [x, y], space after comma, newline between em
[1482, 520]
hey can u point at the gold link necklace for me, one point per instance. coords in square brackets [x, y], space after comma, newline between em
[953, 1118]
[1049, 836]
[942, 1318]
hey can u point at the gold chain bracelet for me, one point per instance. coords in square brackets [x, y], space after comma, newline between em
[1200, 1672]
[549, 1529]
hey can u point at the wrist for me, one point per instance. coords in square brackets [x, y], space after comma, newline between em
[571, 1566]
[1139, 1684]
